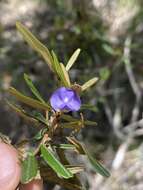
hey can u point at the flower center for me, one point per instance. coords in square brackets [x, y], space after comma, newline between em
[66, 99]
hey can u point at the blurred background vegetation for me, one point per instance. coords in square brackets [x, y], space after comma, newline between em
[110, 36]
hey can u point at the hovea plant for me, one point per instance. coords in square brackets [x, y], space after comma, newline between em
[47, 159]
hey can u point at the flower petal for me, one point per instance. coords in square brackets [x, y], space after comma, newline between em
[56, 102]
[75, 103]
[66, 94]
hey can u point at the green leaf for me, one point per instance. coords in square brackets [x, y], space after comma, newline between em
[89, 107]
[51, 160]
[27, 100]
[91, 123]
[40, 118]
[66, 146]
[33, 88]
[45, 53]
[74, 169]
[72, 59]
[36, 118]
[82, 150]
[89, 83]
[35, 43]
[70, 184]
[77, 123]
[77, 145]
[22, 113]
[97, 166]
[64, 160]
[66, 75]
[58, 68]
[40, 134]
[73, 124]
[68, 117]
[29, 169]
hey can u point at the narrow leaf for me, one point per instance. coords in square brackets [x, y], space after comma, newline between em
[59, 71]
[96, 165]
[89, 107]
[35, 43]
[29, 169]
[77, 145]
[36, 119]
[90, 123]
[89, 83]
[75, 169]
[54, 163]
[33, 88]
[40, 118]
[73, 124]
[22, 113]
[27, 100]
[69, 184]
[64, 160]
[66, 146]
[68, 117]
[40, 134]
[65, 73]
[72, 59]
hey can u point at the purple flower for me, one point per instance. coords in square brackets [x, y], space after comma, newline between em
[65, 99]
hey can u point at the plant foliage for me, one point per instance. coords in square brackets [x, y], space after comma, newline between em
[48, 159]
